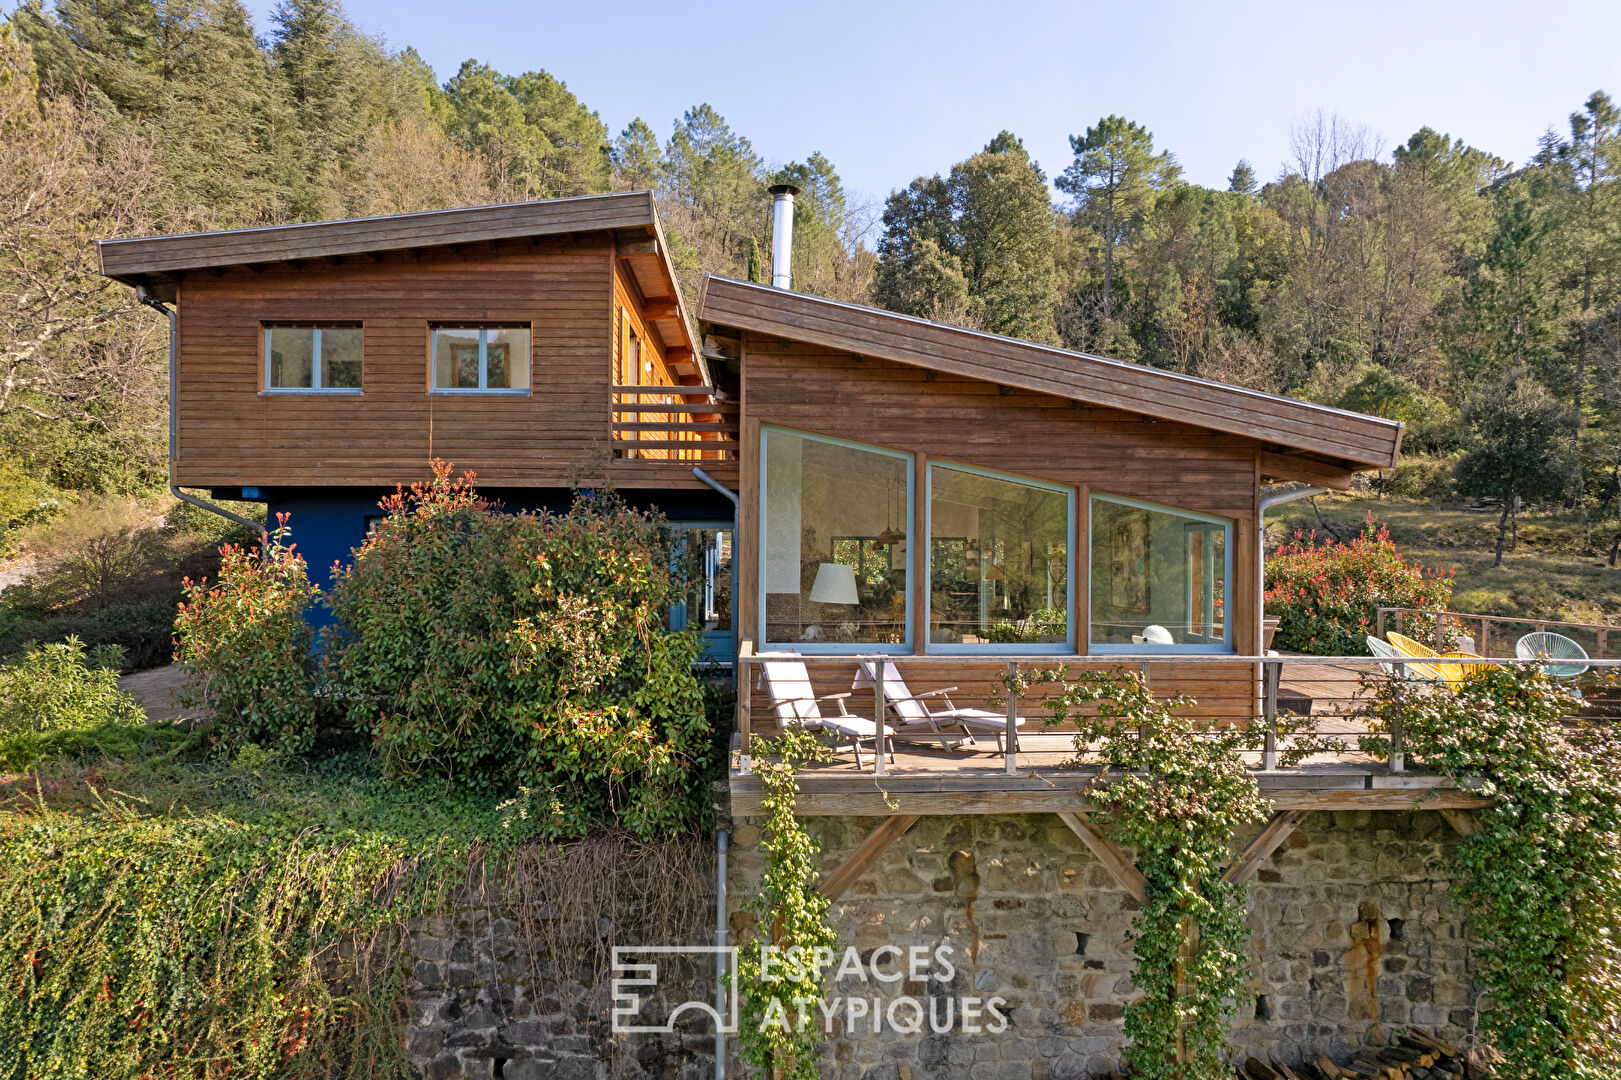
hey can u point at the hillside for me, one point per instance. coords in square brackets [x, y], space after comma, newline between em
[1558, 570]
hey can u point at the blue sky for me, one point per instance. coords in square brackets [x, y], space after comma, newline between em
[892, 90]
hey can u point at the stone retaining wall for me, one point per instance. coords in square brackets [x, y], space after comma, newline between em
[1353, 935]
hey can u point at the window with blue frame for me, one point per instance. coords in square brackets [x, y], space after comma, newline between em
[833, 567]
[312, 359]
[999, 576]
[1159, 578]
[480, 359]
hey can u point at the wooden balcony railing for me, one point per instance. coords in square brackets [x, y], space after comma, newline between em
[1445, 627]
[673, 423]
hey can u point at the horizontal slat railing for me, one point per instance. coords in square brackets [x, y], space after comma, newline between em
[1440, 625]
[1286, 699]
[665, 423]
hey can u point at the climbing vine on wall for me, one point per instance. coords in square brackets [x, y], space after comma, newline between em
[1176, 791]
[779, 972]
[1542, 878]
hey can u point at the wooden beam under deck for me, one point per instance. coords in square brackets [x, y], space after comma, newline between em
[1107, 852]
[862, 858]
[1261, 848]
[920, 796]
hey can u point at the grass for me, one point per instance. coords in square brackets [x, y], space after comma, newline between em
[1557, 571]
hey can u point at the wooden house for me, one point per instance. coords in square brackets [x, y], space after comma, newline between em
[896, 486]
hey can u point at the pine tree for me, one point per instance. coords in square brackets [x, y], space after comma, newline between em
[1114, 178]
[1592, 235]
[638, 162]
[978, 245]
[1242, 181]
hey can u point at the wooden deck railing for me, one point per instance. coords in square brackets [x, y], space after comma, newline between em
[1442, 626]
[673, 423]
[1287, 697]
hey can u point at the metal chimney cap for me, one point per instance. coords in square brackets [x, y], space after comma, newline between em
[782, 189]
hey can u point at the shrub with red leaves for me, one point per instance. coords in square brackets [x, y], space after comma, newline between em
[1328, 594]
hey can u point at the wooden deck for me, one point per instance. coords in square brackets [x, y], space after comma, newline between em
[925, 779]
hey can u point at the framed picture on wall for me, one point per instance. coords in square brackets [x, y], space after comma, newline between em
[1128, 564]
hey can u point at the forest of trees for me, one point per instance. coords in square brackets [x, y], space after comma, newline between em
[1433, 282]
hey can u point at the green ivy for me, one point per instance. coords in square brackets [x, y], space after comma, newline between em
[791, 914]
[1541, 880]
[1176, 791]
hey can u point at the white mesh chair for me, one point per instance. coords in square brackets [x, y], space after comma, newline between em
[913, 710]
[797, 704]
[1544, 644]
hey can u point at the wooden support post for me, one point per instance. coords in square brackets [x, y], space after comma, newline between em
[862, 858]
[1011, 751]
[1272, 674]
[1379, 627]
[878, 715]
[1465, 823]
[1484, 648]
[1261, 848]
[1440, 631]
[1117, 862]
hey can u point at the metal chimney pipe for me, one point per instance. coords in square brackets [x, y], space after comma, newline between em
[782, 234]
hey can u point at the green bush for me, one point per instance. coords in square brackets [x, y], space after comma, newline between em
[527, 651]
[1327, 594]
[58, 686]
[142, 631]
[249, 648]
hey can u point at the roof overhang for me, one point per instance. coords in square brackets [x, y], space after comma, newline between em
[1301, 440]
[155, 263]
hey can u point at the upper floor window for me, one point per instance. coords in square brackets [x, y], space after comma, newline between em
[1159, 579]
[310, 359]
[480, 359]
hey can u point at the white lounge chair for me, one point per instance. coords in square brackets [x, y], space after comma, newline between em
[797, 704]
[913, 710]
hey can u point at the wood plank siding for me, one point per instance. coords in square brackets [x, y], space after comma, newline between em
[1347, 439]
[565, 288]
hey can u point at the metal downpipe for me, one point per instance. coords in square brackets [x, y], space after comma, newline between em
[174, 425]
[720, 954]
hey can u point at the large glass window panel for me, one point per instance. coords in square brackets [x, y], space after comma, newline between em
[998, 560]
[1159, 577]
[340, 357]
[292, 357]
[834, 553]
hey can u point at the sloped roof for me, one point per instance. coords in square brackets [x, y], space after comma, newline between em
[1337, 438]
[153, 262]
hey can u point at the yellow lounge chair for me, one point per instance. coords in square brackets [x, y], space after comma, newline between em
[1453, 674]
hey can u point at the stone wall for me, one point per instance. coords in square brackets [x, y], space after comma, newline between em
[1353, 936]
[1353, 933]
[487, 1000]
